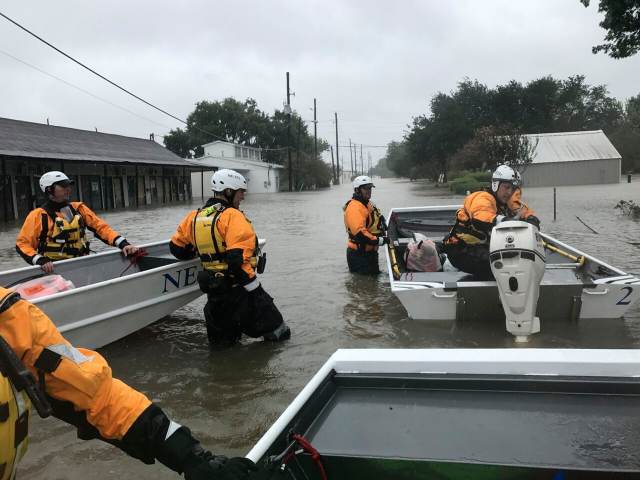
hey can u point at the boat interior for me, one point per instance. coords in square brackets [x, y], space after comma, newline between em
[435, 224]
[425, 426]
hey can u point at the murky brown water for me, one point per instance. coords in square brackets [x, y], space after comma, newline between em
[230, 397]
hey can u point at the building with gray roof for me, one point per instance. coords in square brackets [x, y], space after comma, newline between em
[572, 158]
[110, 171]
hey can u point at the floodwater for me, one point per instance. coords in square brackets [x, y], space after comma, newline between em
[230, 397]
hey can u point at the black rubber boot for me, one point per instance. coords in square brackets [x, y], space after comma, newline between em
[283, 332]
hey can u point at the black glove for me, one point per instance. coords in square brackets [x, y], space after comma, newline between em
[533, 220]
[213, 467]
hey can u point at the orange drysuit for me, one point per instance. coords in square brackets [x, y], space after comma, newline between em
[79, 386]
[33, 239]
[77, 375]
[477, 216]
[363, 224]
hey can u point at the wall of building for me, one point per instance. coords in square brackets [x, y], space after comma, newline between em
[572, 173]
[231, 150]
[101, 186]
[259, 180]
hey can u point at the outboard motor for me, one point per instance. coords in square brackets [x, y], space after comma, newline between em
[518, 262]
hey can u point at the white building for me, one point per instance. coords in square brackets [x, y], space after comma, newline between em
[261, 177]
[572, 158]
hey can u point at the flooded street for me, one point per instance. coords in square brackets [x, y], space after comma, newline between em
[229, 397]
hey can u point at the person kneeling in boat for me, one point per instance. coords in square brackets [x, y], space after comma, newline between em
[467, 245]
[224, 239]
[365, 228]
[76, 386]
[56, 230]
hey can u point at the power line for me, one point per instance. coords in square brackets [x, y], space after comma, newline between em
[91, 69]
[81, 89]
[115, 84]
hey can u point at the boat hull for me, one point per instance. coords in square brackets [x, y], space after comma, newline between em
[113, 298]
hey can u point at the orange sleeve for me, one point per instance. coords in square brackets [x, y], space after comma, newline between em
[99, 227]
[29, 236]
[517, 206]
[82, 377]
[355, 219]
[482, 207]
[184, 233]
[238, 232]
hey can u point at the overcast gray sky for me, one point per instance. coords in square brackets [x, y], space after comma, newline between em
[376, 63]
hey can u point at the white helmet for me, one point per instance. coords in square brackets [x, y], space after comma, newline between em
[504, 173]
[362, 180]
[226, 178]
[49, 178]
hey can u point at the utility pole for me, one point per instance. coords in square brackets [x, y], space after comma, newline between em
[298, 148]
[333, 167]
[337, 151]
[288, 110]
[351, 156]
[361, 160]
[315, 130]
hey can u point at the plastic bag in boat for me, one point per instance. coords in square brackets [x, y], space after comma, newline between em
[42, 287]
[422, 255]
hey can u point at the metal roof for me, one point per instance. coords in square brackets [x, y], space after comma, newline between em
[573, 147]
[36, 140]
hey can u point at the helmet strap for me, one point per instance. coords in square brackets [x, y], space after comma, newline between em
[228, 195]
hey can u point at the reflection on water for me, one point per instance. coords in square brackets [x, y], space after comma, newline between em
[229, 397]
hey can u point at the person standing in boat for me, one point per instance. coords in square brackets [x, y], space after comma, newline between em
[76, 386]
[224, 239]
[56, 230]
[365, 228]
[467, 244]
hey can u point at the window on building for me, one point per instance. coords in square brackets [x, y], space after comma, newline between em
[238, 152]
[245, 152]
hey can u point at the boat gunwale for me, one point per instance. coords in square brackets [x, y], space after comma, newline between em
[498, 362]
[108, 282]
[111, 281]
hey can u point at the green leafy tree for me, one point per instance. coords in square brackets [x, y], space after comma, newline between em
[444, 138]
[507, 146]
[245, 124]
[632, 111]
[622, 23]
[397, 159]
[178, 142]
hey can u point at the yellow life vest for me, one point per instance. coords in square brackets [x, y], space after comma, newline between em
[374, 222]
[68, 238]
[15, 408]
[210, 245]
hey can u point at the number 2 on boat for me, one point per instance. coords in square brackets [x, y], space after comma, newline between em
[623, 300]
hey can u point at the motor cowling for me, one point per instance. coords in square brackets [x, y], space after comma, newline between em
[518, 263]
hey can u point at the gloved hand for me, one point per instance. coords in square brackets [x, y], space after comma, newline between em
[500, 219]
[382, 240]
[214, 467]
[533, 220]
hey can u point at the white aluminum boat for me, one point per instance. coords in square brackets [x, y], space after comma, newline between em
[569, 290]
[461, 414]
[113, 297]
